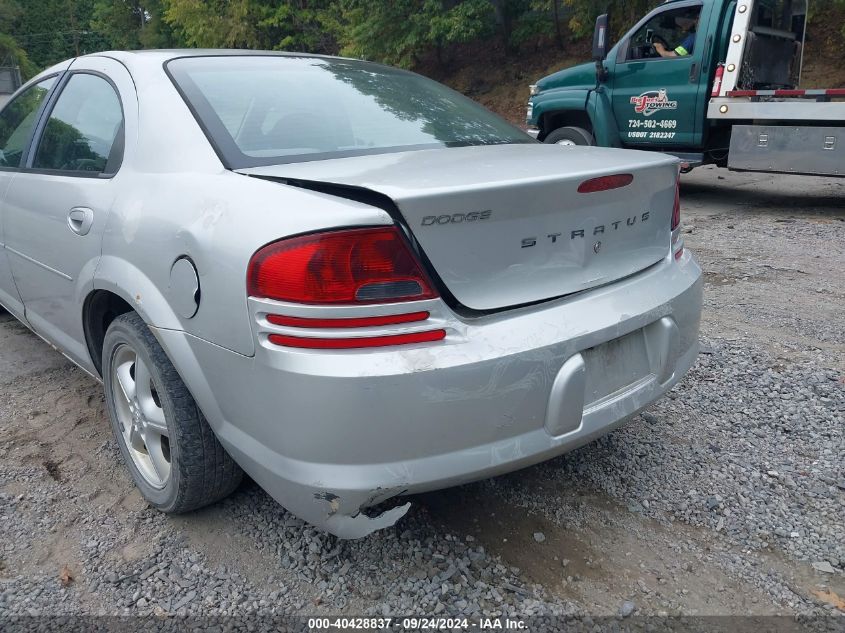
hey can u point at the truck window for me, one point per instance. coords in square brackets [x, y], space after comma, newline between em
[669, 34]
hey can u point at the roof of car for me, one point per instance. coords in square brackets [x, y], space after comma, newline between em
[144, 60]
[164, 54]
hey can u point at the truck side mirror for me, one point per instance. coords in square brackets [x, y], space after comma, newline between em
[600, 38]
[600, 46]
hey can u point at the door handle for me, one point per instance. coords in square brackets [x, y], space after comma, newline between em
[80, 220]
[693, 73]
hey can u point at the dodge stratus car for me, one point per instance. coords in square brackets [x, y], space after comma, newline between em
[343, 279]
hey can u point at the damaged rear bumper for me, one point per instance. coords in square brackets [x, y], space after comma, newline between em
[330, 434]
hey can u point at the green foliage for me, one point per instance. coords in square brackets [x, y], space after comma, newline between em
[216, 23]
[53, 30]
[301, 26]
[48, 31]
[397, 32]
[259, 24]
[12, 54]
[623, 14]
[540, 19]
[131, 24]
[39, 33]
[10, 11]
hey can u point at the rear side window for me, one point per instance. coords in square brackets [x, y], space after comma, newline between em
[17, 121]
[82, 133]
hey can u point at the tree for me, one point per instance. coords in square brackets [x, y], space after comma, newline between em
[302, 26]
[132, 24]
[53, 30]
[398, 32]
[11, 53]
[264, 24]
[623, 14]
[216, 23]
[540, 19]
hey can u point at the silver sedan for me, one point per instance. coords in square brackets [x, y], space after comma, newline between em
[343, 279]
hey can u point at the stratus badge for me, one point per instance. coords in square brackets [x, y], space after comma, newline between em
[599, 229]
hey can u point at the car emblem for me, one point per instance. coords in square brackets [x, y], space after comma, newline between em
[581, 234]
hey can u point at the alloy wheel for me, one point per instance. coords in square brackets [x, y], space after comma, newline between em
[140, 416]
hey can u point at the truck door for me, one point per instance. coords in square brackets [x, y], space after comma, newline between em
[657, 80]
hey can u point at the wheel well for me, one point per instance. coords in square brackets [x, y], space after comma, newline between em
[101, 308]
[576, 118]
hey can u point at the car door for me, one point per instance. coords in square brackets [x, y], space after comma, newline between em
[17, 123]
[655, 98]
[57, 205]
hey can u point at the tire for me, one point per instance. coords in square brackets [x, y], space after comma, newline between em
[570, 136]
[170, 450]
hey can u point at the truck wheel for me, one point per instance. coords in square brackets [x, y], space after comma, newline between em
[171, 452]
[570, 136]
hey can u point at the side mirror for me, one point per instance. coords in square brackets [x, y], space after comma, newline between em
[600, 38]
[600, 46]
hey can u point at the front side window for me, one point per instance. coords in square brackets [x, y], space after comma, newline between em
[83, 128]
[280, 109]
[669, 34]
[17, 121]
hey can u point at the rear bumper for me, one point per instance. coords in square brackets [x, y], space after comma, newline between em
[327, 434]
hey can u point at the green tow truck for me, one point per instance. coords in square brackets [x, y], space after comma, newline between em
[710, 81]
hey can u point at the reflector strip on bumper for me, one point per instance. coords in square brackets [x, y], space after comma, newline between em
[353, 322]
[356, 343]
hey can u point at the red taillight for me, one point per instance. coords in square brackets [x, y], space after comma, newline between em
[375, 321]
[604, 183]
[717, 81]
[357, 343]
[676, 210]
[354, 266]
[677, 242]
[346, 267]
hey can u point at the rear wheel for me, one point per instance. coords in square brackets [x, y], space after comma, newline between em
[570, 136]
[171, 452]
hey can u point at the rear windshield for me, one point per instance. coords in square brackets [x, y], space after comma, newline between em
[277, 109]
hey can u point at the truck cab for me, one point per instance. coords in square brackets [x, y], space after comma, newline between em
[685, 78]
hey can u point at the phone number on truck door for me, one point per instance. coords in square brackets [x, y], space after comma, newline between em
[663, 124]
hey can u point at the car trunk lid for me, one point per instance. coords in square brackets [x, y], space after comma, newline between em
[506, 225]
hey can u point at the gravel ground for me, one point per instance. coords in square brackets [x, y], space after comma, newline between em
[726, 498]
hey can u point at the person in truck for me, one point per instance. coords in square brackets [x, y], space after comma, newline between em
[686, 24]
